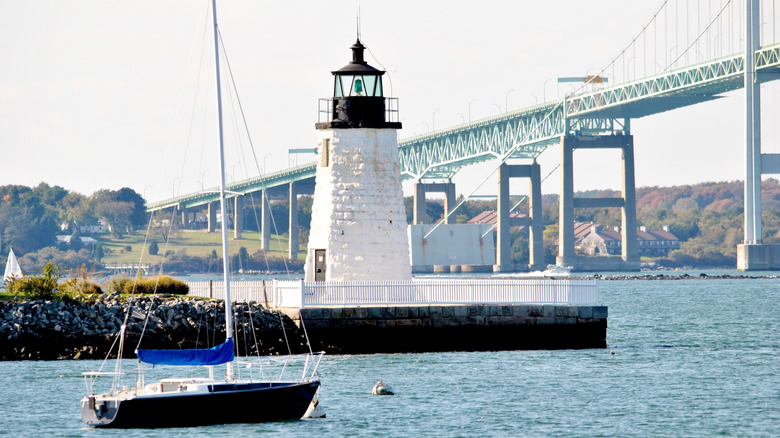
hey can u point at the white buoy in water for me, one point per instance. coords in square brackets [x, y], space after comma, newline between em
[382, 389]
[314, 410]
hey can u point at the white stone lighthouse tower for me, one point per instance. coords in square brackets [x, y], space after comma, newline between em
[358, 224]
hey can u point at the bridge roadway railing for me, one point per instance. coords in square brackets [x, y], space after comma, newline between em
[674, 89]
[251, 185]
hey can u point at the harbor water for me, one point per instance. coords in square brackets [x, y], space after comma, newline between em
[684, 358]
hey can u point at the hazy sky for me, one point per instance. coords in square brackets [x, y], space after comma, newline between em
[99, 94]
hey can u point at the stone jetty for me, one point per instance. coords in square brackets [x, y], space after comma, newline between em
[75, 329]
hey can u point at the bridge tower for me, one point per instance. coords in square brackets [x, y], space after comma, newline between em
[358, 220]
[629, 258]
[753, 254]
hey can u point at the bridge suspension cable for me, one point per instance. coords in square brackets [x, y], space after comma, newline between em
[719, 29]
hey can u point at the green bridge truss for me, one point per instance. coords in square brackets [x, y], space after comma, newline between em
[526, 132]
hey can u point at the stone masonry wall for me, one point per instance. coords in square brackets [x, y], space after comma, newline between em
[358, 215]
[453, 328]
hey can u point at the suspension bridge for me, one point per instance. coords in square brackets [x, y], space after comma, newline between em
[734, 44]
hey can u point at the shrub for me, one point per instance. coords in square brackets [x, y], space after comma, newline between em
[161, 284]
[153, 248]
[117, 284]
[80, 286]
[37, 286]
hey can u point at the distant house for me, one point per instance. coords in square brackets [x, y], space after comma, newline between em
[87, 242]
[100, 228]
[656, 242]
[490, 217]
[593, 239]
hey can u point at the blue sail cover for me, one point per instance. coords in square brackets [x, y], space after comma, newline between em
[216, 355]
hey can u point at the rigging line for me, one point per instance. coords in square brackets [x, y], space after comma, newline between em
[258, 342]
[234, 97]
[252, 148]
[236, 314]
[240, 106]
[284, 332]
[389, 78]
[273, 225]
[698, 37]
[158, 277]
[197, 333]
[259, 229]
[524, 197]
[178, 109]
[622, 52]
[534, 128]
[305, 334]
[195, 107]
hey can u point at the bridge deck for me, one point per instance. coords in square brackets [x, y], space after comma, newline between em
[527, 132]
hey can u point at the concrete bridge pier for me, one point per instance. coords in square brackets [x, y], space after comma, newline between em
[212, 222]
[421, 189]
[536, 225]
[629, 259]
[293, 248]
[266, 219]
[238, 217]
[753, 254]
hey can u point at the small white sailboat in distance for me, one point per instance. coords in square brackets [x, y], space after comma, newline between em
[12, 268]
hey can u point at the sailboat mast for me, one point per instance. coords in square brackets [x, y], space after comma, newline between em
[222, 200]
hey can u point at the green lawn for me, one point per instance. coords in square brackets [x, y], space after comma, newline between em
[195, 242]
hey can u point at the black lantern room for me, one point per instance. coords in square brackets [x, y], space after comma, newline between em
[357, 100]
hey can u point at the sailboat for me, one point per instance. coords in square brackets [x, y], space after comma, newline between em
[12, 269]
[197, 401]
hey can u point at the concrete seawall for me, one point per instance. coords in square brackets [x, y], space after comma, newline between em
[354, 330]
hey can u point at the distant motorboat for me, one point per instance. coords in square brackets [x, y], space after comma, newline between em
[557, 271]
[12, 268]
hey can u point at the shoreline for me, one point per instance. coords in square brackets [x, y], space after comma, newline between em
[71, 329]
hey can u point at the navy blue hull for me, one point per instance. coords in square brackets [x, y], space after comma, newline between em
[242, 403]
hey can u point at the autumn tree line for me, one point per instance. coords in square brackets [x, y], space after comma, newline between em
[707, 218]
[32, 217]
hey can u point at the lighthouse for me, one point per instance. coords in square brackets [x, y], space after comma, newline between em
[358, 224]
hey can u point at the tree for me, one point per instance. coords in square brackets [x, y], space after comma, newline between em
[76, 210]
[75, 240]
[138, 216]
[26, 228]
[125, 207]
[117, 214]
[153, 248]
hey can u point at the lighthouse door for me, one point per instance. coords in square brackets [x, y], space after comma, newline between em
[320, 266]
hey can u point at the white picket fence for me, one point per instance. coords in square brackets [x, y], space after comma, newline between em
[434, 292]
[239, 290]
[300, 294]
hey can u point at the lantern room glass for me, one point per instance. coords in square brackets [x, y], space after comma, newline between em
[358, 85]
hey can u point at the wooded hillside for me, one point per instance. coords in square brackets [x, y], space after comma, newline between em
[707, 218]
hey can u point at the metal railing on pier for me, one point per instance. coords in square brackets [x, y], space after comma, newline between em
[300, 294]
[434, 292]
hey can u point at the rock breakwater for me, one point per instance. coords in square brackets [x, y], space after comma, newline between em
[73, 329]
